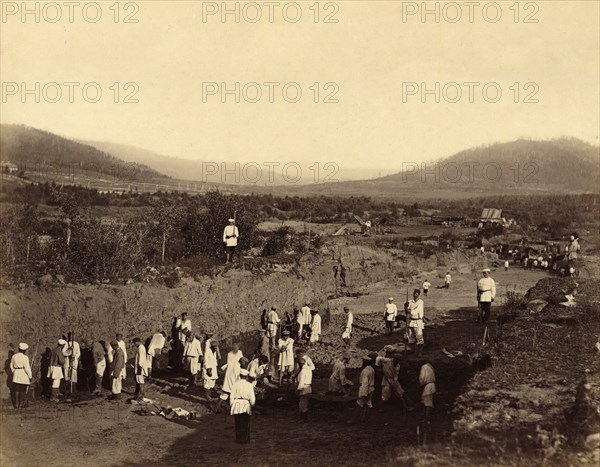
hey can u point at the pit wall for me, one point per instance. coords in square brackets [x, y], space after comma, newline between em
[228, 304]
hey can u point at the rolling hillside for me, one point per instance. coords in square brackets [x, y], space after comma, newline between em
[40, 153]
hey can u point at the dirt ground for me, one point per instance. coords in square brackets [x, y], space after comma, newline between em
[94, 430]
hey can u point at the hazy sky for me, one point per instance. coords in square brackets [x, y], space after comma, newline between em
[372, 55]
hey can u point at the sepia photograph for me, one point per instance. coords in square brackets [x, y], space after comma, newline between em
[300, 233]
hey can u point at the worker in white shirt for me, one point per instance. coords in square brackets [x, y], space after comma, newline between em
[232, 374]
[157, 343]
[285, 364]
[447, 280]
[123, 347]
[427, 382]
[390, 367]
[257, 369]
[192, 354]
[315, 327]
[414, 309]
[348, 329]
[141, 368]
[183, 325]
[55, 369]
[230, 239]
[486, 292]
[209, 369]
[338, 380]
[273, 321]
[390, 313]
[426, 286]
[21, 375]
[305, 385]
[304, 321]
[365, 390]
[72, 353]
[242, 401]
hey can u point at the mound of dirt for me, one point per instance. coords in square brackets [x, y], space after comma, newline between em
[542, 389]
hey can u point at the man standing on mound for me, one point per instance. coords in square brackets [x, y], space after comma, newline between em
[486, 292]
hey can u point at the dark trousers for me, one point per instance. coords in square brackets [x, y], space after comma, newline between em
[389, 327]
[485, 310]
[242, 428]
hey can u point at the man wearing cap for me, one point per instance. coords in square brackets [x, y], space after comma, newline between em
[230, 239]
[305, 385]
[21, 375]
[285, 363]
[273, 323]
[348, 329]
[337, 380]
[366, 389]
[209, 369]
[72, 353]
[574, 247]
[426, 286]
[391, 311]
[315, 327]
[55, 370]
[242, 401]
[486, 292]
[117, 370]
[192, 354]
[99, 356]
[141, 368]
[414, 309]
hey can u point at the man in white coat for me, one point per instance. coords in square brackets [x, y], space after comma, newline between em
[414, 309]
[391, 311]
[315, 327]
[305, 385]
[486, 292]
[209, 369]
[286, 363]
[21, 375]
[348, 329]
[232, 374]
[72, 353]
[192, 354]
[273, 321]
[304, 320]
[141, 368]
[230, 239]
[157, 343]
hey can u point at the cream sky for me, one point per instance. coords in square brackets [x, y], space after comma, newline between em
[369, 53]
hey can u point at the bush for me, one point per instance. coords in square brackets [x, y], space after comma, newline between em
[515, 300]
[278, 241]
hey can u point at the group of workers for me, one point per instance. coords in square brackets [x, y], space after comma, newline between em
[274, 360]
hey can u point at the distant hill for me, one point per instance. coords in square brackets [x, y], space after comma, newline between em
[42, 153]
[556, 165]
[566, 165]
[175, 167]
